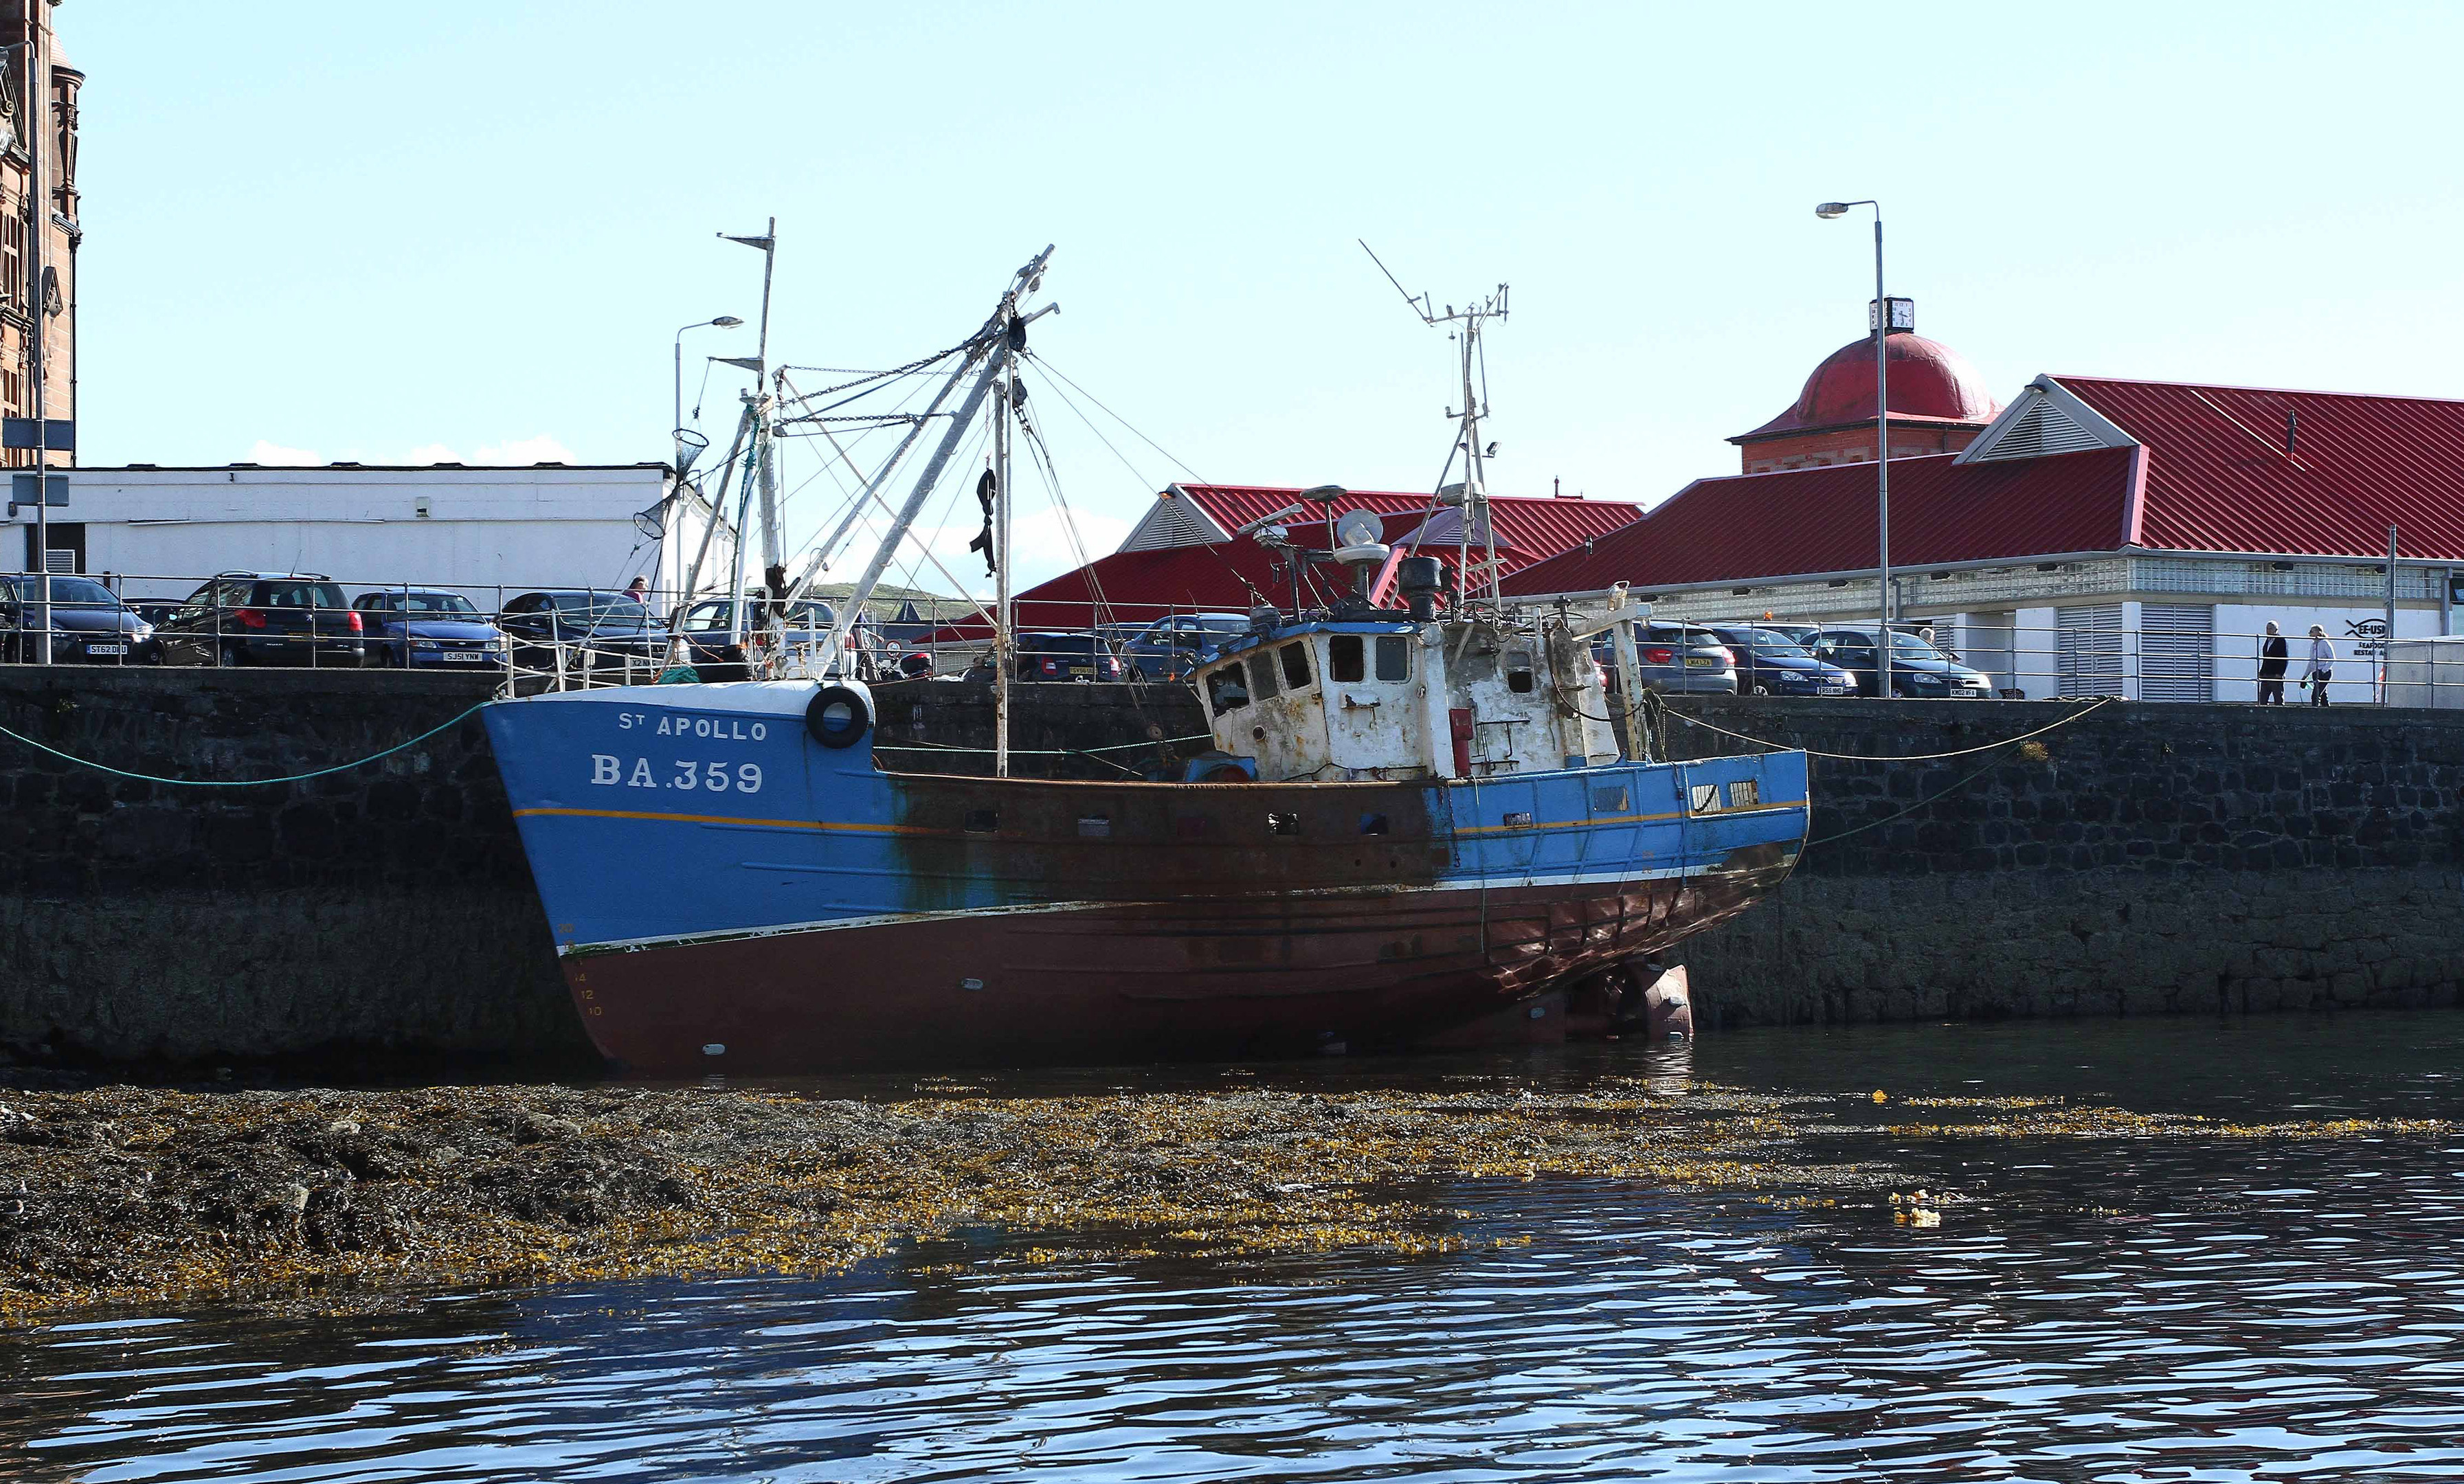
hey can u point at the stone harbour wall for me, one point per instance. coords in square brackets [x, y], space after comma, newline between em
[2147, 858]
[2153, 859]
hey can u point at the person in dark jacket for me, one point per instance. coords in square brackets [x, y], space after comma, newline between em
[2271, 658]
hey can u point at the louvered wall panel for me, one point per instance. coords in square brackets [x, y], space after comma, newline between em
[2088, 650]
[2177, 652]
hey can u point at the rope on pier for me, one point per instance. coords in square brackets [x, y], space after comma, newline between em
[2098, 704]
[297, 778]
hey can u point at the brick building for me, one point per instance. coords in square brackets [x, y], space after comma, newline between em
[53, 300]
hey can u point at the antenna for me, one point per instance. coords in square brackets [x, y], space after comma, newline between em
[1476, 451]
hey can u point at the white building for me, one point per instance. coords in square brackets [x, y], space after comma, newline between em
[483, 530]
[2097, 538]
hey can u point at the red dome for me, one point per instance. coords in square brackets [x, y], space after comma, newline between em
[1928, 380]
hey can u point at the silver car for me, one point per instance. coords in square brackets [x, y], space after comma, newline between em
[1682, 658]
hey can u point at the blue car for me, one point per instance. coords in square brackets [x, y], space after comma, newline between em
[415, 629]
[1169, 648]
[1771, 663]
[1918, 669]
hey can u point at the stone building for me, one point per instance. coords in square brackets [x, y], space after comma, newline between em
[53, 301]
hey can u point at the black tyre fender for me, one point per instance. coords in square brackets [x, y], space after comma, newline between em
[838, 717]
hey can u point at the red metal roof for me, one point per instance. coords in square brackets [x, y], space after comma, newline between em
[1799, 522]
[2220, 478]
[1533, 526]
[1145, 584]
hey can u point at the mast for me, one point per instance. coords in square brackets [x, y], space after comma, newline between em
[1004, 622]
[768, 242]
[1473, 317]
[1004, 330]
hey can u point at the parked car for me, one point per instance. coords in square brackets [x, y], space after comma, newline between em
[1685, 659]
[705, 626]
[1769, 663]
[409, 627]
[1918, 669]
[1169, 648]
[1801, 634]
[1064, 657]
[265, 618]
[89, 624]
[155, 611]
[592, 629]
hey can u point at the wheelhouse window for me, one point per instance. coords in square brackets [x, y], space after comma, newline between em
[1225, 690]
[1261, 675]
[1296, 671]
[1394, 657]
[1345, 663]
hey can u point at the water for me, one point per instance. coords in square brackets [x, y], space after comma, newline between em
[2152, 1308]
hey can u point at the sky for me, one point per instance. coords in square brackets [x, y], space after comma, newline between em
[470, 231]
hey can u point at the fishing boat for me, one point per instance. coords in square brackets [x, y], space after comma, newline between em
[1417, 809]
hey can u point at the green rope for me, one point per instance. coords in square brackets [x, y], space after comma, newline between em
[297, 778]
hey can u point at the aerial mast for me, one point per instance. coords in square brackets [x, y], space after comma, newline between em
[1473, 318]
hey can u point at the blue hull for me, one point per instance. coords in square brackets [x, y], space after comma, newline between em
[715, 878]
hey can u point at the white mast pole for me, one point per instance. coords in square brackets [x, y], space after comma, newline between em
[761, 353]
[1004, 622]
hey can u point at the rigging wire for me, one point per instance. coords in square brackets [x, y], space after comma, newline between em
[1048, 365]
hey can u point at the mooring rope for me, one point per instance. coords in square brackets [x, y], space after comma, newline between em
[297, 778]
[1864, 757]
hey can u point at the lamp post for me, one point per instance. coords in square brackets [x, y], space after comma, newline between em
[1832, 210]
[723, 322]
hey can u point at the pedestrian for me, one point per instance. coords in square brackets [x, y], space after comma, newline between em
[2322, 666]
[2271, 658]
[639, 590]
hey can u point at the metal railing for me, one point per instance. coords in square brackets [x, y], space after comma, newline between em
[951, 636]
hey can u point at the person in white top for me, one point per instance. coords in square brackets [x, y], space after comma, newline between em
[2322, 666]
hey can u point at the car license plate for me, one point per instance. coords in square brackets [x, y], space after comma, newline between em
[1700, 661]
[106, 648]
[1835, 689]
[463, 657]
[1082, 669]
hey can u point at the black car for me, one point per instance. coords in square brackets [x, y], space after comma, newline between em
[1769, 662]
[591, 628]
[89, 624]
[1918, 669]
[1064, 657]
[265, 618]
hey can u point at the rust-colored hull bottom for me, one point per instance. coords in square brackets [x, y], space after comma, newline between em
[1196, 980]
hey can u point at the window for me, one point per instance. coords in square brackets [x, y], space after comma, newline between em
[1261, 675]
[1610, 800]
[1394, 657]
[1705, 798]
[982, 821]
[1295, 667]
[1372, 824]
[1745, 794]
[1344, 660]
[1278, 823]
[1225, 691]
[1518, 672]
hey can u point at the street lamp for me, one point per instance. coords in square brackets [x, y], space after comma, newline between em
[723, 322]
[1830, 211]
